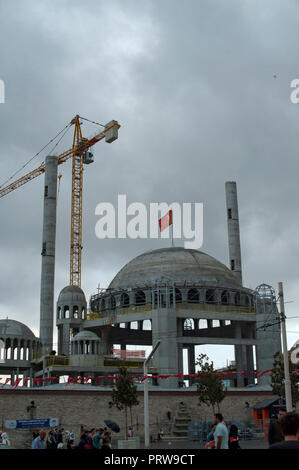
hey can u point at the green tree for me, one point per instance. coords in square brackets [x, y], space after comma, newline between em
[277, 378]
[209, 384]
[124, 393]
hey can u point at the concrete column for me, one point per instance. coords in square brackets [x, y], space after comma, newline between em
[233, 228]
[210, 323]
[191, 361]
[239, 357]
[164, 328]
[48, 255]
[19, 350]
[180, 359]
[250, 364]
[140, 325]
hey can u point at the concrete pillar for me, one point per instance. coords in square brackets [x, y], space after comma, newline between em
[210, 323]
[250, 364]
[239, 358]
[180, 359]
[233, 228]
[191, 362]
[19, 350]
[164, 328]
[48, 255]
[140, 325]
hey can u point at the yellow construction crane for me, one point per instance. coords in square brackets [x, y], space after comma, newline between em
[80, 155]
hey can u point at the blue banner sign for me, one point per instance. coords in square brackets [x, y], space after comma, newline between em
[32, 423]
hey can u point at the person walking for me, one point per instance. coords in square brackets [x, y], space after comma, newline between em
[275, 433]
[221, 432]
[290, 428]
[233, 439]
[69, 439]
[84, 442]
[39, 441]
[210, 438]
[50, 441]
[97, 439]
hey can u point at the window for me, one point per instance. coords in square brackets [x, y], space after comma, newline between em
[224, 297]
[193, 295]
[140, 298]
[189, 324]
[125, 301]
[210, 296]
[178, 296]
[229, 213]
[232, 264]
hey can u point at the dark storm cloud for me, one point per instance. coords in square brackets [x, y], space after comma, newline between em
[193, 89]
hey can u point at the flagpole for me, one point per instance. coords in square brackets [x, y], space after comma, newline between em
[172, 244]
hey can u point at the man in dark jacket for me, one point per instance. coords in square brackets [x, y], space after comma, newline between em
[275, 433]
[290, 427]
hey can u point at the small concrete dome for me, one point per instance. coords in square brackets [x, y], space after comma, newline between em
[13, 328]
[86, 335]
[71, 294]
[178, 264]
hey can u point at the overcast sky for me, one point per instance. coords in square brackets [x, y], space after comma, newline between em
[201, 90]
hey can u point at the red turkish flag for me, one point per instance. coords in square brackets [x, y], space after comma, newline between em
[165, 221]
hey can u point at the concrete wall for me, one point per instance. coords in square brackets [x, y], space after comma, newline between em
[91, 408]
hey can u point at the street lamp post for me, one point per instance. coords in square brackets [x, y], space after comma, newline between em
[145, 401]
[287, 381]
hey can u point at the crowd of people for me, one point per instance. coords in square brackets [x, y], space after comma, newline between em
[59, 439]
[283, 433]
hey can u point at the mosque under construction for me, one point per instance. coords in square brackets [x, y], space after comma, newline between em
[180, 297]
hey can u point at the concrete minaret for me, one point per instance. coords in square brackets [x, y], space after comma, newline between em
[48, 255]
[233, 228]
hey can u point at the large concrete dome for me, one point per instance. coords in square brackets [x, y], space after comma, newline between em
[177, 263]
[13, 328]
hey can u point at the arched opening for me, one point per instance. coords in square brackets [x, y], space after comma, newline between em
[147, 325]
[125, 300]
[66, 312]
[189, 324]
[134, 325]
[83, 313]
[224, 297]
[247, 301]
[112, 300]
[76, 311]
[178, 296]
[210, 296]
[140, 298]
[193, 295]
[237, 299]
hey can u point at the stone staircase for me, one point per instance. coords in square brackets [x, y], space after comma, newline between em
[181, 422]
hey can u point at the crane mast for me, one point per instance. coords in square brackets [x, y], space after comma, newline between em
[76, 210]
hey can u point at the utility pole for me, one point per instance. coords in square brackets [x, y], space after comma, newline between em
[287, 381]
[145, 400]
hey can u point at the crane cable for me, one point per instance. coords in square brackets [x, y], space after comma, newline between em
[93, 122]
[30, 160]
